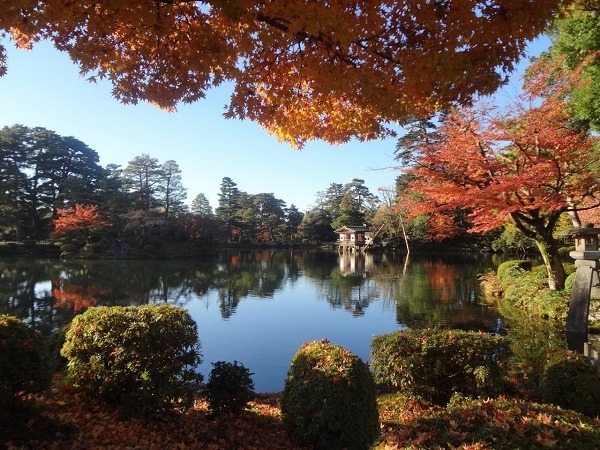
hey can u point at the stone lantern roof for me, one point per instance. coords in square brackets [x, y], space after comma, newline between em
[586, 242]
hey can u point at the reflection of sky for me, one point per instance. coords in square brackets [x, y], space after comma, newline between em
[265, 334]
[42, 289]
[346, 300]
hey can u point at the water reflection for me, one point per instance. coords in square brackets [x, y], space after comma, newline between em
[433, 290]
[258, 307]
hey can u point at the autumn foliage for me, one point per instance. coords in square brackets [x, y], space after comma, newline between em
[75, 296]
[302, 69]
[79, 220]
[73, 420]
[528, 163]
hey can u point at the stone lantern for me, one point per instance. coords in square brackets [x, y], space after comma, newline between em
[586, 243]
[587, 262]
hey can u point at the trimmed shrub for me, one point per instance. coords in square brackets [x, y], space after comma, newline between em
[508, 266]
[433, 364]
[329, 399]
[23, 361]
[230, 387]
[54, 344]
[569, 381]
[564, 252]
[529, 291]
[140, 358]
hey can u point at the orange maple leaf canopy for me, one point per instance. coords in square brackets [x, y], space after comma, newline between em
[81, 218]
[522, 162]
[303, 69]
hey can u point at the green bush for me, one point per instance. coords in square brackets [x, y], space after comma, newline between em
[432, 364]
[509, 266]
[529, 290]
[512, 241]
[564, 252]
[140, 358]
[230, 387]
[569, 381]
[329, 399]
[54, 344]
[23, 361]
[533, 341]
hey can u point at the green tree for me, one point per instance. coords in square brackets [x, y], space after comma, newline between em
[357, 205]
[331, 199]
[171, 190]
[71, 174]
[229, 197]
[293, 219]
[246, 218]
[113, 198]
[201, 206]
[348, 204]
[270, 217]
[44, 171]
[142, 177]
[14, 154]
[575, 37]
[316, 226]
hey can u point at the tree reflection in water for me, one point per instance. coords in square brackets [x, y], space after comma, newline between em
[258, 307]
[430, 291]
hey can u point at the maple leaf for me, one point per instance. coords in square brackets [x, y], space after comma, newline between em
[81, 219]
[302, 69]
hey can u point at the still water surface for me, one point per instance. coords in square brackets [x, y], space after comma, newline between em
[259, 307]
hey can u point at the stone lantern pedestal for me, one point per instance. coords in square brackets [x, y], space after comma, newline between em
[587, 262]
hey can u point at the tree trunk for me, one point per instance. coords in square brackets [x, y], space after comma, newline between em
[553, 263]
[539, 228]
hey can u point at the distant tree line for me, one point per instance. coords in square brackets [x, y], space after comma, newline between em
[54, 185]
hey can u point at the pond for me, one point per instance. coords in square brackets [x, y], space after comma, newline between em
[258, 307]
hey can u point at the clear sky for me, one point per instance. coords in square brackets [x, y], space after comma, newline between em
[43, 89]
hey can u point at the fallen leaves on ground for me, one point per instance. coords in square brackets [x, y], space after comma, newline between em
[67, 419]
[73, 420]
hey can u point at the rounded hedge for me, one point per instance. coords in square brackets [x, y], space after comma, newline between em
[230, 387]
[23, 360]
[141, 358]
[55, 343]
[435, 363]
[569, 381]
[511, 265]
[329, 399]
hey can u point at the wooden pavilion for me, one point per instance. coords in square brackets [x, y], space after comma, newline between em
[354, 238]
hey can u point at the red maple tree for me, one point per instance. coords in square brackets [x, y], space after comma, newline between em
[527, 163]
[81, 220]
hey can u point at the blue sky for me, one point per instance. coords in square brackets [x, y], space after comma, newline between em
[43, 88]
